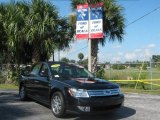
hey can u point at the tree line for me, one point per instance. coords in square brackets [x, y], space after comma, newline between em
[31, 31]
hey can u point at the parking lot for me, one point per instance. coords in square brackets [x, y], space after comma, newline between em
[136, 107]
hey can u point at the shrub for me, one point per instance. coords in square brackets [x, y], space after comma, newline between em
[100, 73]
[118, 67]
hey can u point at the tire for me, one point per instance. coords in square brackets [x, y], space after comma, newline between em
[58, 105]
[22, 93]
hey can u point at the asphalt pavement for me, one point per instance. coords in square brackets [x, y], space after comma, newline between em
[136, 107]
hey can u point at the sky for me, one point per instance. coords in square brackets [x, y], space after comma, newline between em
[141, 39]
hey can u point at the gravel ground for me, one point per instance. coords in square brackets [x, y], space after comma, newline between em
[136, 107]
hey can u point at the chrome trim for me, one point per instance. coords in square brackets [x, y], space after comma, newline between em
[103, 92]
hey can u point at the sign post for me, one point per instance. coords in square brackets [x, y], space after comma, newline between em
[89, 43]
[89, 25]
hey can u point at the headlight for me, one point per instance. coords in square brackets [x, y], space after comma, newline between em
[78, 93]
[119, 90]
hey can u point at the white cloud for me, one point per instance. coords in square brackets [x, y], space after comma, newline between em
[120, 53]
[75, 47]
[147, 52]
[138, 54]
[63, 54]
[105, 56]
[130, 56]
[138, 50]
[151, 45]
[116, 46]
[115, 59]
[86, 56]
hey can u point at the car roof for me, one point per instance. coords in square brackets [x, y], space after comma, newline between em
[62, 63]
[56, 62]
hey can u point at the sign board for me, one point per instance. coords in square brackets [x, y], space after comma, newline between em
[82, 22]
[96, 22]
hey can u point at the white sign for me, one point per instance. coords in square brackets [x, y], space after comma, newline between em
[82, 22]
[96, 24]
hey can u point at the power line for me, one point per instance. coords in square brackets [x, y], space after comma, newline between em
[136, 20]
[158, 8]
[118, 0]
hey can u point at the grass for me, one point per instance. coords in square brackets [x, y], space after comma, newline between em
[129, 87]
[131, 73]
[140, 91]
[8, 86]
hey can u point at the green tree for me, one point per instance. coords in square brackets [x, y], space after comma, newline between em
[10, 23]
[118, 66]
[113, 24]
[100, 73]
[80, 56]
[3, 39]
[46, 30]
[72, 61]
[85, 63]
[156, 60]
[64, 59]
[32, 31]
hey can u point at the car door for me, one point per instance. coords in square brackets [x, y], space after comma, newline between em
[43, 84]
[31, 83]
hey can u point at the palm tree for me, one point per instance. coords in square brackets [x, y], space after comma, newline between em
[40, 24]
[3, 38]
[12, 24]
[46, 30]
[113, 25]
[80, 56]
[32, 30]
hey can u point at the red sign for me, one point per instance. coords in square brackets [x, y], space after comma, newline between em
[82, 22]
[96, 21]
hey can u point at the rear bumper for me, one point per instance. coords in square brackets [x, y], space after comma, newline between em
[95, 104]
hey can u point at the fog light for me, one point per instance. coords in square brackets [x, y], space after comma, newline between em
[84, 108]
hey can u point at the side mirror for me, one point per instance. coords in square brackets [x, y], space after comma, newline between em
[44, 73]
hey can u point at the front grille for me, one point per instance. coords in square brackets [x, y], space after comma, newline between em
[104, 92]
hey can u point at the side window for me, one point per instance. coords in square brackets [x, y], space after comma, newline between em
[81, 72]
[36, 69]
[44, 71]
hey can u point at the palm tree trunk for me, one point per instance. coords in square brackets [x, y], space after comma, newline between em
[36, 52]
[53, 55]
[94, 52]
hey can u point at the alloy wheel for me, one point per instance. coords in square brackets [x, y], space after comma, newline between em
[56, 104]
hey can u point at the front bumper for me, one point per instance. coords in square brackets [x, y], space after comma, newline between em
[95, 104]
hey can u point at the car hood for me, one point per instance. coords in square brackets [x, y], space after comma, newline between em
[90, 83]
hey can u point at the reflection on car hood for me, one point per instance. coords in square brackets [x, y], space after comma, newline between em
[90, 83]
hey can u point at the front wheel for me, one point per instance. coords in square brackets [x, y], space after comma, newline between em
[22, 93]
[58, 104]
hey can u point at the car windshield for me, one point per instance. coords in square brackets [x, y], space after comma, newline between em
[69, 71]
